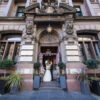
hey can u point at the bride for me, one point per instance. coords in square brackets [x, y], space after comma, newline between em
[47, 75]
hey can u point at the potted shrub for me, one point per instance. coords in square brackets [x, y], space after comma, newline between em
[62, 67]
[2, 85]
[36, 82]
[4, 66]
[37, 68]
[62, 78]
[14, 82]
[95, 81]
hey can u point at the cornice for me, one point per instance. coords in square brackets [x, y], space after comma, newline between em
[77, 18]
[12, 18]
[87, 18]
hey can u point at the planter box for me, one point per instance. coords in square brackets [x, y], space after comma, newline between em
[14, 90]
[63, 83]
[36, 82]
[2, 86]
[95, 87]
[84, 87]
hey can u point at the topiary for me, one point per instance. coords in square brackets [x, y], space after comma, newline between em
[37, 67]
[61, 65]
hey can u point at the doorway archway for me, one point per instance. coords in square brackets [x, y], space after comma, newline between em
[49, 47]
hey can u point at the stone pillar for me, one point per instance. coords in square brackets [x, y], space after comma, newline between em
[8, 8]
[99, 2]
[70, 2]
[90, 8]
[28, 3]
[26, 55]
[74, 65]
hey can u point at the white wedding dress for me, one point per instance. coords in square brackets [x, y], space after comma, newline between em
[47, 75]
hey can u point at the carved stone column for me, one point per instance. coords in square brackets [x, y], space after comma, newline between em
[90, 7]
[74, 65]
[26, 56]
[8, 8]
[28, 3]
[70, 2]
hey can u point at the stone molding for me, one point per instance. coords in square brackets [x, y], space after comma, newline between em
[12, 26]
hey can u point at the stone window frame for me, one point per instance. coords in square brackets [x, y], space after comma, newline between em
[78, 13]
[92, 43]
[19, 8]
[5, 44]
[94, 1]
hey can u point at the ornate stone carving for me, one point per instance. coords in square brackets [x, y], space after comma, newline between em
[29, 25]
[69, 27]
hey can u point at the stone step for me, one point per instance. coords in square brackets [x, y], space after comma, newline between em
[49, 88]
[50, 84]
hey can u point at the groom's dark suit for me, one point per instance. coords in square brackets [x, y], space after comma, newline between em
[51, 70]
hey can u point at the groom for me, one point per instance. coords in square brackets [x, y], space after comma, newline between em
[51, 70]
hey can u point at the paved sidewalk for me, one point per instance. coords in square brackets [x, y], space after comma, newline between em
[47, 95]
[96, 96]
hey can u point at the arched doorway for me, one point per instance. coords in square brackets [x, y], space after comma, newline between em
[49, 48]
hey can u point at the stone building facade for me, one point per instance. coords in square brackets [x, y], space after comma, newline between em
[59, 30]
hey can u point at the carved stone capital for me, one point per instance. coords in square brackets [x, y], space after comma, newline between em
[29, 25]
[69, 27]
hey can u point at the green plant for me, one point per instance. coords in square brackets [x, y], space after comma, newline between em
[6, 64]
[37, 67]
[14, 80]
[62, 66]
[92, 64]
[82, 76]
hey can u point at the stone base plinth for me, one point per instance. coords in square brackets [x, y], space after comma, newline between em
[73, 85]
[73, 70]
[26, 71]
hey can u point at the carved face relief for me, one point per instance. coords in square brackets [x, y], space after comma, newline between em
[69, 27]
[29, 26]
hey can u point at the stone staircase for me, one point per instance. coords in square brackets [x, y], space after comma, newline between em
[50, 85]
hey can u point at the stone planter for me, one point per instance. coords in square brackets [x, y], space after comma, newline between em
[95, 87]
[84, 87]
[36, 82]
[62, 81]
[2, 86]
[14, 89]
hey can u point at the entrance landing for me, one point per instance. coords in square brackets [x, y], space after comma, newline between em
[47, 94]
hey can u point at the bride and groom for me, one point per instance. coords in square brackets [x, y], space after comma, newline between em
[48, 72]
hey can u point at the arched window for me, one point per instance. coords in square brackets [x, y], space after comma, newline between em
[89, 46]
[10, 44]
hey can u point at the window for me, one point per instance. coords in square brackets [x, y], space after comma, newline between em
[63, 1]
[78, 11]
[49, 1]
[9, 47]
[94, 1]
[20, 11]
[89, 46]
[3, 1]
